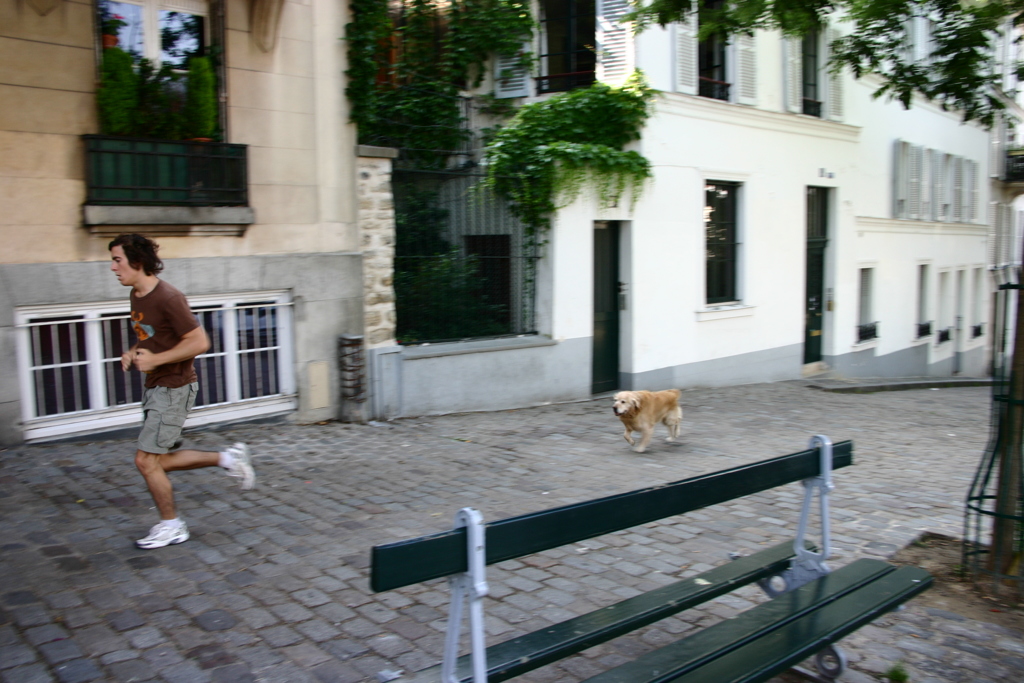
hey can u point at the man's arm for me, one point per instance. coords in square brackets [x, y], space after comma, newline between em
[191, 345]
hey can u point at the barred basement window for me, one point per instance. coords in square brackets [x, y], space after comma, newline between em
[70, 362]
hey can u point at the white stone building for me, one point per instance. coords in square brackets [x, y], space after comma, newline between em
[850, 235]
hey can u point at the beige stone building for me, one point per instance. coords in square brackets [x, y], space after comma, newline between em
[259, 229]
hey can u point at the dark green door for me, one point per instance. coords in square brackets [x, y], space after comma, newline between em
[605, 371]
[817, 239]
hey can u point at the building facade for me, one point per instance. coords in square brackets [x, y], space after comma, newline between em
[794, 226]
[258, 227]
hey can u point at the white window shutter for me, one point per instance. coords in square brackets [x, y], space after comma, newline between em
[926, 185]
[913, 182]
[994, 234]
[941, 197]
[899, 182]
[614, 42]
[957, 200]
[793, 57]
[511, 79]
[971, 190]
[745, 48]
[834, 97]
[686, 55]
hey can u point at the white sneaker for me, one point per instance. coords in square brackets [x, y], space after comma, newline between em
[163, 534]
[241, 467]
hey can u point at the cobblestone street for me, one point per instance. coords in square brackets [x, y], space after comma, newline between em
[273, 584]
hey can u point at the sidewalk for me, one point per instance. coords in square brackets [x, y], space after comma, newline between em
[273, 584]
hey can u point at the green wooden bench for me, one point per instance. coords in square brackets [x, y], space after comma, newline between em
[811, 608]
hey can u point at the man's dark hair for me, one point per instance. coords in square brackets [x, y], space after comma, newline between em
[141, 252]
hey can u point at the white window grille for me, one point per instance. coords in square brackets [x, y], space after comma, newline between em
[69, 360]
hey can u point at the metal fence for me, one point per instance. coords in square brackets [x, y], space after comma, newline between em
[464, 264]
[164, 172]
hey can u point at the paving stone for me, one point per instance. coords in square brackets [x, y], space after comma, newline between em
[216, 620]
[77, 671]
[289, 561]
[35, 673]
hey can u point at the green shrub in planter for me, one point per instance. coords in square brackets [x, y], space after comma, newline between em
[160, 111]
[118, 96]
[200, 99]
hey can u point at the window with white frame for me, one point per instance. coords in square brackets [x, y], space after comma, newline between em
[945, 321]
[924, 325]
[867, 328]
[69, 358]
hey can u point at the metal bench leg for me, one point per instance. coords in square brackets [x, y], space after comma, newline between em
[471, 585]
[808, 566]
[830, 663]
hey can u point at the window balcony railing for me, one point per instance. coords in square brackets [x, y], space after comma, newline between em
[716, 90]
[812, 107]
[977, 330]
[564, 82]
[1014, 165]
[924, 329]
[945, 335]
[135, 171]
[867, 332]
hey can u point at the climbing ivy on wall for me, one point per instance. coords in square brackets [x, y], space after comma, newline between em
[543, 157]
[410, 61]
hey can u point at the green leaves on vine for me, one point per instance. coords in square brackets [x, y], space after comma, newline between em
[543, 157]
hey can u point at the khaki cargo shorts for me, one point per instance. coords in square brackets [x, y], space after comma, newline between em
[164, 410]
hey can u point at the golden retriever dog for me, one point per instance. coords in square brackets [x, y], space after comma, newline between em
[641, 410]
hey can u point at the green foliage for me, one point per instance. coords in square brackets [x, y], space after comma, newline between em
[437, 289]
[137, 99]
[407, 68]
[542, 158]
[118, 97]
[958, 75]
[897, 673]
[159, 113]
[201, 99]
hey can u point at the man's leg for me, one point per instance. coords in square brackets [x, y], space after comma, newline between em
[155, 466]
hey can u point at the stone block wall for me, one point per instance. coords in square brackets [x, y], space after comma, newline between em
[376, 217]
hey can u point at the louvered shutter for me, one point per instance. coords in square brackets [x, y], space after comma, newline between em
[792, 51]
[941, 196]
[511, 79]
[994, 234]
[957, 196]
[995, 157]
[913, 182]
[745, 48]
[926, 185]
[970, 190]
[686, 55]
[899, 182]
[922, 41]
[614, 42]
[834, 101]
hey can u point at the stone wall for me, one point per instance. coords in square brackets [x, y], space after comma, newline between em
[376, 218]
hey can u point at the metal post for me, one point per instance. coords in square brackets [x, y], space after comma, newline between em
[471, 584]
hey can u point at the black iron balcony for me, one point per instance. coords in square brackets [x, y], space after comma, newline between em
[564, 82]
[867, 332]
[812, 107]
[1015, 165]
[977, 330]
[945, 335]
[135, 171]
[716, 90]
[924, 329]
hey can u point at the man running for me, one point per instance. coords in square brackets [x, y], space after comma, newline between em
[169, 338]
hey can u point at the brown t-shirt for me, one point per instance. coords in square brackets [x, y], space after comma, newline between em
[160, 319]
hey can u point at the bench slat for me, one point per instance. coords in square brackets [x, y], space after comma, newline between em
[429, 557]
[519, 655]
[772, 637]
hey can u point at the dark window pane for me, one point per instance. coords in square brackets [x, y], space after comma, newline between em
[720, 238]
